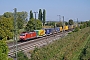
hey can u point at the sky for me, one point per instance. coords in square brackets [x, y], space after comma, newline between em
[70, 9]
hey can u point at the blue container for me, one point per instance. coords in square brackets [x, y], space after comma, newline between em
[48, 31]
[57, 29]
[52, 30]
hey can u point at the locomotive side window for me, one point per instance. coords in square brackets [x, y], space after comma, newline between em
[22, 34]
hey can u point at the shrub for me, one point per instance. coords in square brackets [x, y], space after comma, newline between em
[76, 29]
[3, 50]
[22, 56]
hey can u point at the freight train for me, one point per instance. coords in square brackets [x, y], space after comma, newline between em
[43, 32]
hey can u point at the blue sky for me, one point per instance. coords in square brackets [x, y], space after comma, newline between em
[71, 9]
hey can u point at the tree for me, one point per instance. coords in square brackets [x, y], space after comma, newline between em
[21, 19]
[38, 24]
[8, 14]
[81, 26]
[44, 16]
[66, 23]
[3, 50]
[20, 23]
[50, 23]
[88, 23]
[31, 14]
[84, 25]
[70, 22]
[24, 16]
[6, 27]
[40, 15]
[76, 29]
[59, 24]
[32, 24]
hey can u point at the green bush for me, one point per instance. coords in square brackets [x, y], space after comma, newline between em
[76, 29]
[3, 50]
[22, 56]
[81, 26]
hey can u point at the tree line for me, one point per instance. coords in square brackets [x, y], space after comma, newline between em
[60, 24]
[7, 20]
[41, 15]
[6, 23]
[38, 23]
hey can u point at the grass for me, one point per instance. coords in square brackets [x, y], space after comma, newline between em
[8, 41]
[67, 48]
[85, 54]
[77, 53]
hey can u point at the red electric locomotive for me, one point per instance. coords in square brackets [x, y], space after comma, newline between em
[27, 35]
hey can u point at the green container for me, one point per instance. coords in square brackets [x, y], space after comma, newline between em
[37, 32]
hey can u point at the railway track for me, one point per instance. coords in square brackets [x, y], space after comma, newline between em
[30, 45]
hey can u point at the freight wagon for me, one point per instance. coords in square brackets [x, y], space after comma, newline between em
[61, 29]
[70, 27]
[65, 28]
[57, 29]
[49, 31]
[40, 33]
